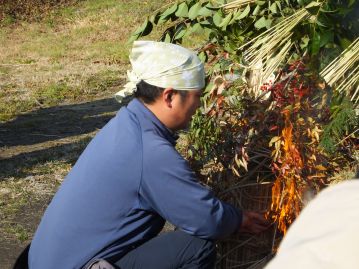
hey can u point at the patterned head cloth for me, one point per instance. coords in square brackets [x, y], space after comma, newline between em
[163, 65]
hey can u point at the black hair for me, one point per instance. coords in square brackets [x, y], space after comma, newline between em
[149, 93]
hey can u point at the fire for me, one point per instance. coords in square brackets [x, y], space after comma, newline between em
[286, 193]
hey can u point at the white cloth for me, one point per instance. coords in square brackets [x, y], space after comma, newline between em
[326, 233]
[163, 65]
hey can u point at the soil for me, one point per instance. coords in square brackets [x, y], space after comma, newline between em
[28, 216]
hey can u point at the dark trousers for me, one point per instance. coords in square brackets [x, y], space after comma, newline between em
[172, 250]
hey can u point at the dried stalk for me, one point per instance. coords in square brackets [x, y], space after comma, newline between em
[237, 4]
[340, 65]
[349, 82]
[270, 66]
[336, 70]
[265, 45]
[269, 49]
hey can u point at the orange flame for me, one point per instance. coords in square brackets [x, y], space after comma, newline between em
[286, 202]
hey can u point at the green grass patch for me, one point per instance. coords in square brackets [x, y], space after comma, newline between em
[12, 103]
[12, 108]
[12, 197]
[18, 231]
[102, 82]
[4, 70]
[55, 93]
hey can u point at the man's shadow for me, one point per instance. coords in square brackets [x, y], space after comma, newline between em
[28, 139]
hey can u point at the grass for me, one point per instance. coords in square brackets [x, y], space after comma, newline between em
[71, 88]
[12, 198]
[18, 231]
[53, 59]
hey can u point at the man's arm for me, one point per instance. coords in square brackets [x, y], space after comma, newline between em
[171, 189]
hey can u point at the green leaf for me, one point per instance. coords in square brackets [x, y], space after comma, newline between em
[313, 4]
[144, 29]
[148, 29]
[207, 32]
[211, 7]
[261, 23]
[203, 56]
[163, 19]
[279, 5]
[204, 11]
[243, 14]
[229, 47]
[141, 28]
[205, 23]
[322, 22]
[260, 3]
[326, 37]
[304, 42]
[168, 38]
[169, 11]
[132, 38]
[225, 21]
[197, 28]
[256, 10]
[315, 43]
[234, 17]
[180, 31]
[221, 2]
[313, 7]
[182, 11]
[217, 18]
[155, 18]
[273, 8]
[194, 10]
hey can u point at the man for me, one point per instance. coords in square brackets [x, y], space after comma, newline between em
[130, 179]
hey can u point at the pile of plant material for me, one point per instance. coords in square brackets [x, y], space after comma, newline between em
[281, 104]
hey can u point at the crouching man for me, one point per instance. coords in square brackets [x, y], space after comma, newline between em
[130, 179]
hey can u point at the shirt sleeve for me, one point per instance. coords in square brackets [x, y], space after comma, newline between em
[170, 188]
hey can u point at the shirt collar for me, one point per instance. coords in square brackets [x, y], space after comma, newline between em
[137, 107]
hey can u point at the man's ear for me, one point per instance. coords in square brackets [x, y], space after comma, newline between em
[167, 96]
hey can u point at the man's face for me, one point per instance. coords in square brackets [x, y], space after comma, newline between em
[185, 107]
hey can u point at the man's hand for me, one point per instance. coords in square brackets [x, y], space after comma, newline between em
[253, 222]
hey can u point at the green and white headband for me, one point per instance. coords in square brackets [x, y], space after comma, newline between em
[163, 65]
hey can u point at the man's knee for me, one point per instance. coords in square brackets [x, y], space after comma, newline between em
[201, 252]
[205, 246]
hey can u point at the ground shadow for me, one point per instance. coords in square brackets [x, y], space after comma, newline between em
[57, 122]
[19, 165]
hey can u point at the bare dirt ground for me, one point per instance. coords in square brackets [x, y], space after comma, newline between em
[40, 140]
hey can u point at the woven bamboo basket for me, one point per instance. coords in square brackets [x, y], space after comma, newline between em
[247, 251]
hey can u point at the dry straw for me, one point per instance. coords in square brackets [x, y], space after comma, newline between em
[237, 4]
[270, 48]
[266, 44]
[335, 71]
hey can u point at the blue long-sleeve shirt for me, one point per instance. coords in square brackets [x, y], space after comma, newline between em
[126, 183]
